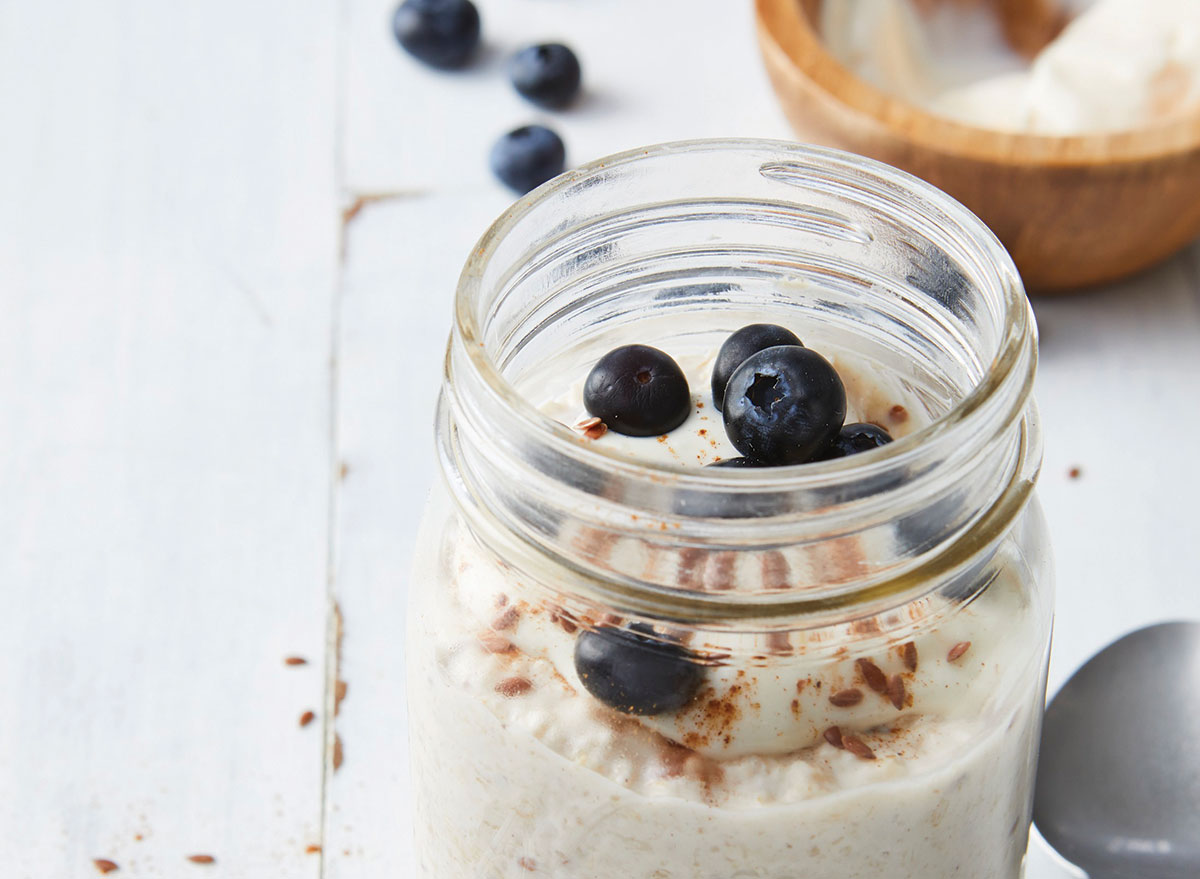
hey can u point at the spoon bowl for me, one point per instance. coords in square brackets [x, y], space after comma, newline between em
[1118, 784]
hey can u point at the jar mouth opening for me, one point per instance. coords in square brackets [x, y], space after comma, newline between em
[959, 421]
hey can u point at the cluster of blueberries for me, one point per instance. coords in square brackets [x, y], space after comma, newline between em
[782, 403]
[445, 33]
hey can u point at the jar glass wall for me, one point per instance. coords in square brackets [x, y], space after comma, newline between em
[827, 670]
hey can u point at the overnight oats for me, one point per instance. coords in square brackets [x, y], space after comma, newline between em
[735, 570]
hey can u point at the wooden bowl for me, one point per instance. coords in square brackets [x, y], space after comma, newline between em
[1072, 211]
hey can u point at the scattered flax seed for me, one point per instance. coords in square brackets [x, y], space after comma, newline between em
[833, 735]
[908, 653]
[846, 698]
[306, 718]
[872, 674]
[527, 863]
[104, 865]
[897, 414]
[858, 747]
[896, 691]
[202, 859]
[592, 428]
[510, 687]
[493, 643]
[312, 849]
[295, 660]
[506, 620]
[957, 651]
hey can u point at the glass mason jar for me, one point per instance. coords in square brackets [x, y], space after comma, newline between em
[622, 664]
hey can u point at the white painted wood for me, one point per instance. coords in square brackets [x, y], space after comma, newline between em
[653, 71]
[403, 260]
[169, 239]
[168, 245]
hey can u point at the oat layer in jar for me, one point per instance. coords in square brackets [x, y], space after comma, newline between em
[626, 662]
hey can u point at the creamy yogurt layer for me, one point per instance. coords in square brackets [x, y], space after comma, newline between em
[1118, 65]
[886, 754]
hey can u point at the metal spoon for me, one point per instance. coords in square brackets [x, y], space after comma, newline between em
[1118, 785]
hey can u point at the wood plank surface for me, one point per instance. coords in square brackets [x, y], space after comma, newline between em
[217, 398]
[168, 248]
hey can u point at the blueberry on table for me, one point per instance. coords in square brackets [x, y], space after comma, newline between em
[635, 674]
[548, 75]
[854, 438]
[442, 33]
[746, 341]
[783, 405]
[526, 158]
[638, 391]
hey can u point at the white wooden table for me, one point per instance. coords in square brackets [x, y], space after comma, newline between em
[229, 235]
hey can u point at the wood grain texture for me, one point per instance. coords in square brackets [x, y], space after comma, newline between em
[175, 290]
[167, 262]
[1073, 211]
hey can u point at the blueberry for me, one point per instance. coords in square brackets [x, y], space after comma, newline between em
[442, 33]
[638, 391]
[746, 341]
[527, 157]
[854, 438]
[634, 674]
[735, 462]
[548, 75]
[783, 404]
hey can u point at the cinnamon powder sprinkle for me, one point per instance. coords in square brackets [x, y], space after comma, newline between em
[506, 620]
[872, 674]
[833, 735]
[295, 660]
[338, 756]
[898, 414]
[306, 718]
[202, 859]
[957, 651]
[527, 863]
[846, 698]
[908, 653]
[510, 687]
[858, 747]
[104, 865]
[896, 691]
[312, 849]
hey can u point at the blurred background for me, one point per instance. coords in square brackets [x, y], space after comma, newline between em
[229, 241]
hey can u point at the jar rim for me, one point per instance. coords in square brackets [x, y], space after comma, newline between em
[958, 421]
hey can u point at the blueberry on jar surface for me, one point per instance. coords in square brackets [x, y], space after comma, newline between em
[527, 157]
[638, 391]
[854, 438]
[783, 405]
[441, 33]
[748, 340]
[635, 674]
[547, 75]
